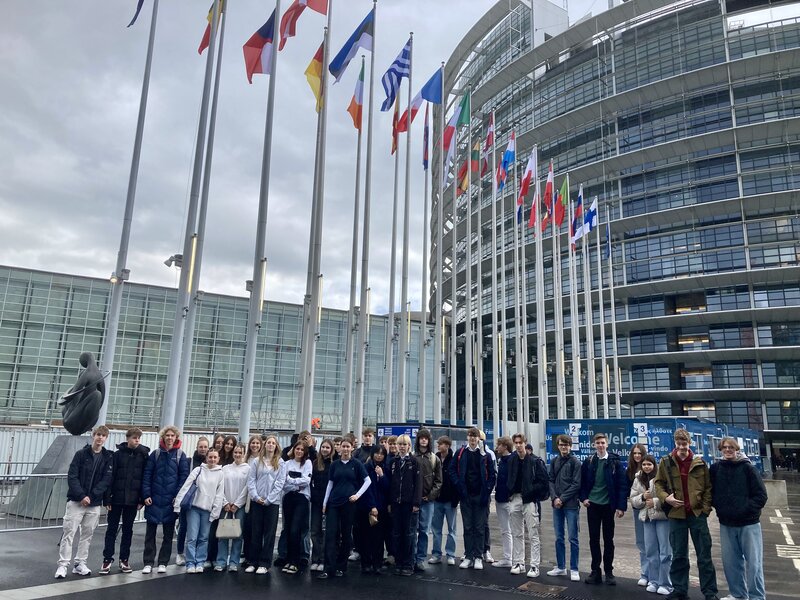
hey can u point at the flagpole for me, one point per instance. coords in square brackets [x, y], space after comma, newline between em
[423, 305]
[496, 358]
[255, 312]
[402, 355]
[526, 409]
[603, 372]
[517, 313]
[189, 240]
[454, 285]
[503, 324]
[121, 272]
[617, 398]
[558, 308]
[468, 414]
[352, 320]
[541, 335]
[363, 325]
[438, 329]
[388, 361]
[587, 294]
[319, 202]
[195, 295]
[575, 329]
[479, 294]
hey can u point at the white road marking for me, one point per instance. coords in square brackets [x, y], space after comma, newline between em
[789, 550]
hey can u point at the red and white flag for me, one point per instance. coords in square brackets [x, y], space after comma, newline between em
[487, 146]
[289, 20]
[416, 103]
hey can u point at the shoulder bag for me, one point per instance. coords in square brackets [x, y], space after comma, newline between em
[229, 527]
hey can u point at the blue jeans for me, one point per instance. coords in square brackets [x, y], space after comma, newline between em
[743, 560]
[442, 511]
[425, 516]
[197, 527]
[659, 553]
[570, 515]
[235, 545]
[638, 528]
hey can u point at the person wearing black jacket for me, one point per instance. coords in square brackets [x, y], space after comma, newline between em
[738, 494]
[444, 507]
[405, 496]
[320, 470]
[527, 487]
[368, 445]
[88, 480]
[124, 498]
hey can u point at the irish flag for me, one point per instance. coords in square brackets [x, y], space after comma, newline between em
[356, 107]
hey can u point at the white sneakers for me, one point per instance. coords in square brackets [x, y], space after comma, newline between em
[61, 572]
[487, 556]
[250, 569]
[665, 591]
[163, 568]
[81, 569]
[502, 563]
[262, 571]
[556, 572]
[180, 560]
[517, 569]
[652, 588]
[478, 565]
[147, 570]
[465, 564]
[642, 581]
[190, 570]
[574, 576]
[434, 560]
[533, 572]
[451, 561]
[354, 556]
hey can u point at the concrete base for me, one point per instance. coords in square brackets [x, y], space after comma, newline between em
[776, 493]
[43, 497]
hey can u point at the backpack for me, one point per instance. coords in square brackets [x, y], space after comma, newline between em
[540, 470]
[178, 455]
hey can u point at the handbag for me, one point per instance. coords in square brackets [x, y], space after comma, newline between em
[229, 528]
[188, 497]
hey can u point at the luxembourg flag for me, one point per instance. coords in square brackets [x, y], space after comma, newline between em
[258, 50]
[526, 183]
[508, 159]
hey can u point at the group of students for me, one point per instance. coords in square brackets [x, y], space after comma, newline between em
[380, 504]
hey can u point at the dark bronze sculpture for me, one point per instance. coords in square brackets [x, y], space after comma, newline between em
[82, 403]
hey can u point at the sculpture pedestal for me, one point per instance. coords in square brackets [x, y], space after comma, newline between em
[44, 495]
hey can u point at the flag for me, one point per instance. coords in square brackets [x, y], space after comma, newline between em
[207, 34]
[395, 130]
[258, 49]
[136, 14]
[508, 159]
[361, 38]
[292, 14]
[460, 117]
[401, 67]
[534, 214]
[425, 142]
[525, 184]
[487, 145]
[548, 197]
[562, 202]
[608, 240]
[356, 107]
[403, 124]
[590, 218]
[576, 227]
[432, 91]
[313, 74]
[472, 164]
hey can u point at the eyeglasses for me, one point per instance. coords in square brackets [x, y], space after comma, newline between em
[728, 448]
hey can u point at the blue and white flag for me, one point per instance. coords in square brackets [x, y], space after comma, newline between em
[361, 38]
[590, 218]
[401, 67]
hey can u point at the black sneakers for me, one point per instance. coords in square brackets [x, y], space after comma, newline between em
[594, 578]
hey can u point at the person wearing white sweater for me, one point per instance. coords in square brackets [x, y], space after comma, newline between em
[293, 489]
[206, 507]
[234, 478]
[263, 512]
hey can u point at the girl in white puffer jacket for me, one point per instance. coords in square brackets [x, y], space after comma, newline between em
[656, 528]
[206, 507]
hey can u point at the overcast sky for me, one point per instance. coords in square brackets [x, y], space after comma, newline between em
[72, 76]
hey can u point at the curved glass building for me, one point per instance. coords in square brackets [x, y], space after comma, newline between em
[683, 120]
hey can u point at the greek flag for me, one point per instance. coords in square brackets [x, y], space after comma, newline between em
[401, 67]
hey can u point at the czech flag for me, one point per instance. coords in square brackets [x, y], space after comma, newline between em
[258, 50]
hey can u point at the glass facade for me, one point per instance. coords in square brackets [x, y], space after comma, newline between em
[684, 124]
[48, 319]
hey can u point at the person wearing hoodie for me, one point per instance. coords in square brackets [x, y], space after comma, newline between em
[206, 508]
[198, 458]
[503, 448]
[166, 470]
[604, 493]
[292, 490]
[234, 477]
[565, 485]
[473, 472]
[655, 527]
[124, 498]
[444, 507]
[431, 467]
[683, 482]
[405, 497]
[88, 480]
[319, 482]
[380, 535]
[738, 494]
[263, 513]
[367, 447]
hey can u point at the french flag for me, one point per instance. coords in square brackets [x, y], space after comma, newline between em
[258, 49]
[508, 159]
